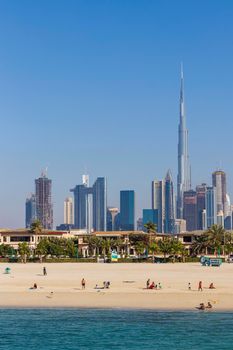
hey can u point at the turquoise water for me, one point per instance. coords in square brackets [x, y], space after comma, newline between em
[70, 329]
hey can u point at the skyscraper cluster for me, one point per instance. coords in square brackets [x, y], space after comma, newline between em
[188, 209]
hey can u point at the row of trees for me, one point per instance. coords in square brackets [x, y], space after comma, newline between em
[53, 246]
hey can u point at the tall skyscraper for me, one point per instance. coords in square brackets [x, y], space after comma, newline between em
[30, 210]
[68, 211]
[201, 205]
[158, 202]
[44, 207]
[127, 210]
[190, 210]
[169, 204]
[184, 176]
[99, 191]
[219, 182]
[211, 207]
[90, 205]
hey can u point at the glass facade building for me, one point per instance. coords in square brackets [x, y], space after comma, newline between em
[211, 207]
[127, 210]
[149, 215]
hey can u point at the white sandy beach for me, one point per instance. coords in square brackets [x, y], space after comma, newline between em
[127, 288]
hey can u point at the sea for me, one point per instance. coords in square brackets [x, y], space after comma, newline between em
[72, 329]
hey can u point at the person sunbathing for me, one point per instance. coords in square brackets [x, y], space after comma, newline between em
[152, 286]
[201, 307]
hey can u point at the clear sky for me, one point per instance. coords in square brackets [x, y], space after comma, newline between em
[95, 85]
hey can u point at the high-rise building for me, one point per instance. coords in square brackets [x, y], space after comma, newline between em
[184, 176]
[149, 215]
[68, 211]
[201, 205]
[30, 210]
[127, 210]
[158, 202]
[169, 204]
[219, 182]
[190, 210]
[99, 191]
[44, 207]
[111, 216]
[211, 207]
[90, 205]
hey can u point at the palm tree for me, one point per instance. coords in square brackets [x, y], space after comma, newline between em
[150, 229]
[36, 229]
[200, 245]
[216, 238]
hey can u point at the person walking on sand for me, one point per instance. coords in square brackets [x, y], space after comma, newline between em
[200, 286]
[83, 283]
[44, 271]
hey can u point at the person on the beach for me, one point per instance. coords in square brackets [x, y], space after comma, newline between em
[34, 286]
[152, 286]
[83, 283]
[159, 286]
[209, 305]
[211, 286]
[148, 283]
[189, 286]
[44, 271]
[200, 286]
[201, 307]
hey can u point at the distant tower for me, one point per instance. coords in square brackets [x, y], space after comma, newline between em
[158, 202]
[184, 176]
[30, 210]
[68, 211]
[169, 204]
[219, 181]
[44, 208]
[127, 210]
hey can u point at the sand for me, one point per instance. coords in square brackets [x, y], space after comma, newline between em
[127, 288]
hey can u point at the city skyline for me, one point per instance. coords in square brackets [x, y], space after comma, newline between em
[102, 93]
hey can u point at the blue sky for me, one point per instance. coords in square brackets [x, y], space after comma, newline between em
[95, 85]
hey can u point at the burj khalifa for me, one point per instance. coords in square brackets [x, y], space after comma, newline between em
[184, 173]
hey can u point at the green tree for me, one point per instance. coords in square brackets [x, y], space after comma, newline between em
[153, 249]
[139, 248]
[42, 248]
[6, 250]
[165, 247]
[24, 251]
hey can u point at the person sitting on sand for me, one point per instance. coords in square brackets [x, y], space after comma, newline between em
[211, 286]
[152, 286]
[201, 307]
[159, 286]
[148, 283]
[209, 305]
[34, 286]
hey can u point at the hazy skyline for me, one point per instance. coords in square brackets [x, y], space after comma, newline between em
[94, 86]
